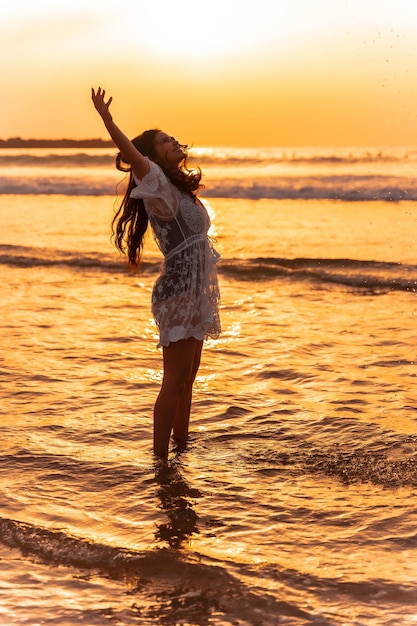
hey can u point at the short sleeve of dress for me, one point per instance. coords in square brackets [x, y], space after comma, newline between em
[160, 194]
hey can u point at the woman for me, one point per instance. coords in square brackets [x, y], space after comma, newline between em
[185, 297]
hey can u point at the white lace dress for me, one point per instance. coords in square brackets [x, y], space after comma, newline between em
[185, 298]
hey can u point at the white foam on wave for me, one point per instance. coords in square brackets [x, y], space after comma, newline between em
[346, 188]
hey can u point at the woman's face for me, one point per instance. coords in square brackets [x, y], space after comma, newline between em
[168, 150]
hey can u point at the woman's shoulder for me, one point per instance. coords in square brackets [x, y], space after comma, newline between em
[154, 184]
[160, 194]
[151, 180]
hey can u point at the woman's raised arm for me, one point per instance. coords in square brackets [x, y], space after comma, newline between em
[139, 163]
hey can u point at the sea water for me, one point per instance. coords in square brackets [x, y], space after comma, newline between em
[295, 502]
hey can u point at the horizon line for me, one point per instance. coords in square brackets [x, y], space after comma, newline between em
[96, 142]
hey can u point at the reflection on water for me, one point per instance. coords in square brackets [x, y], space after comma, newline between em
[303, 424]
[177, 501]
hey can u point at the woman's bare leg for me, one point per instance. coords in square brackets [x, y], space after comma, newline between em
[182, 415]
[179, 373]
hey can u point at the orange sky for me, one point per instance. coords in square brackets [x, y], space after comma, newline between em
[214, 72]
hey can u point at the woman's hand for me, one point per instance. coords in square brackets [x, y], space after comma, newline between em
[100, 104]
[139, 164]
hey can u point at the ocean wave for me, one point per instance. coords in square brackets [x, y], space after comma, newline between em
[172, 586]
[369, 461]
[58, 547]
[357, 174]
[58, 185]
[372, 276]
[203, 589]
[300, 156]
[224, 157]
[52, 159]
[27, 257]
[346, 188]
[342, 187]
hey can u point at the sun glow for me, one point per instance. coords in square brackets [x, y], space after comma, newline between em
[196, 33]
[233, 72]
[207, 30]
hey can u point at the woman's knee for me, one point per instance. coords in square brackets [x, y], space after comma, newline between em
[177, 382]
[185, 384]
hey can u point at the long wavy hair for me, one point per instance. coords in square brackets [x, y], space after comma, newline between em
[131, 220]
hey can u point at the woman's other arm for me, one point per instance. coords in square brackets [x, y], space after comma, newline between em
[139, 163]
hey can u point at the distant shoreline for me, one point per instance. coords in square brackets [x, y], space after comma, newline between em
[17, 142]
